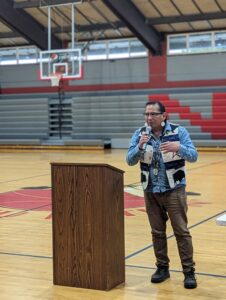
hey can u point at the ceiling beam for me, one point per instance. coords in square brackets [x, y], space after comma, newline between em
[186, 18]
[41, 3]
[67, 29]
[89, 27]
[127, 12]
[14, 46]
[24, 24]
[8, 35]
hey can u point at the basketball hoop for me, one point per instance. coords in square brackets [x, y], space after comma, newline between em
[67, 62]
[55, 79]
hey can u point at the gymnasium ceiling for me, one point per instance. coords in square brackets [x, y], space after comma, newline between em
[25, 22]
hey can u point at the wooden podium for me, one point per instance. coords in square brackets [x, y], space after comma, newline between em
[88, 225]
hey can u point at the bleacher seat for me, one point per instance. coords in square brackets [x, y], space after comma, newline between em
[203, 114]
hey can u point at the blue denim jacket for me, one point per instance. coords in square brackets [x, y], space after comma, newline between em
[159, 182]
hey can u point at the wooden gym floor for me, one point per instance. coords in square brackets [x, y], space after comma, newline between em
[26, 230]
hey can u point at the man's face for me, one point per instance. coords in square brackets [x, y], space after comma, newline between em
[153, 116]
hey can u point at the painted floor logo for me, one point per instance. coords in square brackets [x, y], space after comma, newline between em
[36, 199]
[21, 202]
[24, 201]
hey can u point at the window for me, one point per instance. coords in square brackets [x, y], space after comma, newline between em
[199, 42]
[8, 56]
[220, 40]
[137, 48]
[97, 51]
[178, 44]
[118, 49]
[27, 55]
[196, 43]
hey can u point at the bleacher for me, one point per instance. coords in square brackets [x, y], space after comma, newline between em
[107, 120]
[23, 121]
[203, 114]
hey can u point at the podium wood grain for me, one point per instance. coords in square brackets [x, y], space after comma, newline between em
[88, 225]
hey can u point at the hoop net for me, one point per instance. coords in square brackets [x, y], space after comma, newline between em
[55, 79]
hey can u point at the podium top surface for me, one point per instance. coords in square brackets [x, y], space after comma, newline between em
[87, 165]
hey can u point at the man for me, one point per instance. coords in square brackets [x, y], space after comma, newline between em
[162, 149]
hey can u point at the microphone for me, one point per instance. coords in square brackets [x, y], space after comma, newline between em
[148, 133]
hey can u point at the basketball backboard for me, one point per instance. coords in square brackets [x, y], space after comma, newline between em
[66, 62]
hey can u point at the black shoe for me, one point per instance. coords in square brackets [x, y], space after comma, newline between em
[160, 275]
[189, 279]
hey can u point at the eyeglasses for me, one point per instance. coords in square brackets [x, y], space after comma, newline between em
[153, 114]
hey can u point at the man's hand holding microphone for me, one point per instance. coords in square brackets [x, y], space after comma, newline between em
[145, 136]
